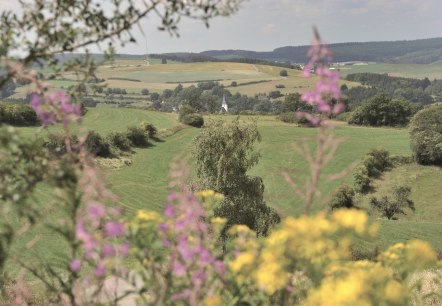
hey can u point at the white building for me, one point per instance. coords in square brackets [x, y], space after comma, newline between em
[224, 107]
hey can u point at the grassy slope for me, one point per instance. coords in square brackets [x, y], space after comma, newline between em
[425, 222]
[144, 183]
[103, 120]
[106, 119]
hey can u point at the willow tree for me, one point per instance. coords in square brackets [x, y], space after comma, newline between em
[224, 153]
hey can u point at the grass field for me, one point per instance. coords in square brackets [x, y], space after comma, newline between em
[157, 78]
[107, 119]
[433, 71]
[143, 185]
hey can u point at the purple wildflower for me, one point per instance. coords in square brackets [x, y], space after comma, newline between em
[164, 227]
[205, 256]
[100, 270]
[124, 248]
[172, 197]
[184, 249]
[198, 278]
[75, 265]
[114, 229]
[96, 211]
[219, 267]
[169, 211]
[326, 88]
[108, 250]
[179, 269]
[166, 243]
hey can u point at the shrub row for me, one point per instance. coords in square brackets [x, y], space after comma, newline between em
[372, 165]
[16, 114]
[109, 146]
[290, 117]
[189, 116]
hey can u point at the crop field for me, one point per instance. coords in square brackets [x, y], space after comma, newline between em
[135, 75]
[420, 71]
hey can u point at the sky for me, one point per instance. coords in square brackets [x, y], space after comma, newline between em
[263, 25]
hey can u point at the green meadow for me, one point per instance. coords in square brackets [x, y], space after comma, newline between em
[143, 184]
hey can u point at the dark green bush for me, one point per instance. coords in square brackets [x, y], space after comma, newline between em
[377, 161]
[137, 136]
[290, 117]
[426, 135]
[275, 94]
[397, 160]
[195, 120]
[343, 198]
[150, 129]
[97, 145]
[56, 144]
[119, 141]
[382, 111]
[344, 116]
[393, 202]
[361, 179]
[16, 114]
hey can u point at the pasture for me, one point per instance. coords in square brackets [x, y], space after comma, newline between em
[158, 77]
[143, 184]
[419, 71]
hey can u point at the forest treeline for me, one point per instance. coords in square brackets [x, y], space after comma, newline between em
[421, 51]
[422, 91]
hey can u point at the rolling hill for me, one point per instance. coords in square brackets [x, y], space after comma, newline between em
[421, 51]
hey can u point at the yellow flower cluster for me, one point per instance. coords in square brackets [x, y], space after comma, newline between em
[209, 197]
[319, 247]
[359, 283]
[306, 242]
[145, 215]
[312, 242]
[404, 258]
[351, 219]
[244, 262]
[213, 300]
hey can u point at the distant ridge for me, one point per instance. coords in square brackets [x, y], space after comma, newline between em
[420, 51]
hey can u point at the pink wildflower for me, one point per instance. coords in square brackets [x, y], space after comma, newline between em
[75, 265]
[96, 211]
[327, 88]
[114, 229]
[100, 271]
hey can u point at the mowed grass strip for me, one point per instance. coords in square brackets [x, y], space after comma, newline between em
[108, 119]
[419, 71]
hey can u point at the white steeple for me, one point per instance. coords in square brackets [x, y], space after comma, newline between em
[224, 106]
